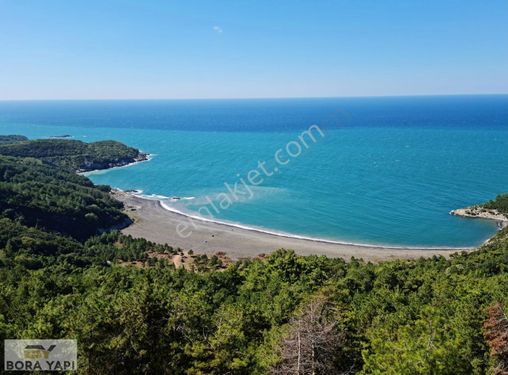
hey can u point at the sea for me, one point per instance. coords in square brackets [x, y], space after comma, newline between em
[380, 170]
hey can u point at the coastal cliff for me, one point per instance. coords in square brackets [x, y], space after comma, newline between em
[90, 164]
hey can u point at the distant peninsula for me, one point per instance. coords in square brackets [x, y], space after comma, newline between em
[72, 155]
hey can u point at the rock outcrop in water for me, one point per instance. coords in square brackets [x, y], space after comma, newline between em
[480, 212]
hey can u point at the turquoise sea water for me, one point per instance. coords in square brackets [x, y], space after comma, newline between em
[387, 171]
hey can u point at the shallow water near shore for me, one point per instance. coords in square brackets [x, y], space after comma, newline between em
[387, 171]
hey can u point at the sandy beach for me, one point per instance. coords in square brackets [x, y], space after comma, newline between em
[153, 222]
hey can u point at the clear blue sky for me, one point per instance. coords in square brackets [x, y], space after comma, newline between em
[239, 49]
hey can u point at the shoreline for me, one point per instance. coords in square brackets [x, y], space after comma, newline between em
[145, 158]
[478, 212]
[158, 224]
[296, 236]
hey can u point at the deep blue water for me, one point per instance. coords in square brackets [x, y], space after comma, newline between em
[387, 171]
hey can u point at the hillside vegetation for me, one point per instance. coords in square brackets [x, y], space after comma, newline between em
[402, 317]
[285, 314]
[500, 204]
[47, 197]
[72, 154]
[10, 139]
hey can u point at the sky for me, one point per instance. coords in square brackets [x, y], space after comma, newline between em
[133, 49]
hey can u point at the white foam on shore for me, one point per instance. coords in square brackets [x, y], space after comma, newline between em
[135, 192]
[139, 194]
[152, 196]
[299, 237]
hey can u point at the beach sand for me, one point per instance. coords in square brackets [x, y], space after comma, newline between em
[153, 222]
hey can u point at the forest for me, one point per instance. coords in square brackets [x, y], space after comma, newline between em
[10, 139]
[63, 275]
[500, 204]
[40, 195]
[70, 154]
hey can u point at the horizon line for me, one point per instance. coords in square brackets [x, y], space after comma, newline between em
[254, 98]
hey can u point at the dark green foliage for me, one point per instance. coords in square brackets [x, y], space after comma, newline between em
[500, 204]
[9, 139]
[47, 197]
[73, 155]
[421, 317]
